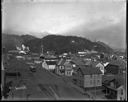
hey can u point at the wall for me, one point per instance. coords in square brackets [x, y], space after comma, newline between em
[92, 80]
[51, 66]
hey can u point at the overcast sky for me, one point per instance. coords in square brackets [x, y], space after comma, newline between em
[103, 20]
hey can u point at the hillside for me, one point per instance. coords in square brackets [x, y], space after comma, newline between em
[11, 41]
[61, 44]
[57, 43]
[105, 45]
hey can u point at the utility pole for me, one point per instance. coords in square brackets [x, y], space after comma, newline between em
[95, 85]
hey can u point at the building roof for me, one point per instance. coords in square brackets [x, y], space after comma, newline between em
[51, 62]
[90, 70]
[118, 62]
[61, 62]
[118, 79]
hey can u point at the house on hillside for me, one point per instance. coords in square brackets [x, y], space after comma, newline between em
[88, 77]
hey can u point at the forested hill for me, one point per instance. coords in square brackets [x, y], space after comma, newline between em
[62, 44]
[55, 43]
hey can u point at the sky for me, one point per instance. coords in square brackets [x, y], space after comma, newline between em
[103, 20]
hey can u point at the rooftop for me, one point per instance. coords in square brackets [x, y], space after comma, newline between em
[87, 70]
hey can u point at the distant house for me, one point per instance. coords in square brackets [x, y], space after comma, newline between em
[51, 62]
[115, 67]
[115, 87]
[88, 77]
[51, 65]
[68, 68]
[64, 67]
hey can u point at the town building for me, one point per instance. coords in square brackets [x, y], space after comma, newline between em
[115, 67]
[88, 77]
[64, 67]
[115, 87]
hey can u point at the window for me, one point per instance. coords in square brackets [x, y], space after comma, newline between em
[98, 81]
[121, 91]
[90, 82]
[68, 72]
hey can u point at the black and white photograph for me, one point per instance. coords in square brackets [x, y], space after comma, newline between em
[64, 50]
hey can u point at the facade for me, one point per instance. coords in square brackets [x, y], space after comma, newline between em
[64, 67]
[88, 77]
[94, 80]
[68, 68]
[51, 65]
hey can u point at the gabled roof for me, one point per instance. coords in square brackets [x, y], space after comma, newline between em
[90, 70]
[61, 62]
[120, 63]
